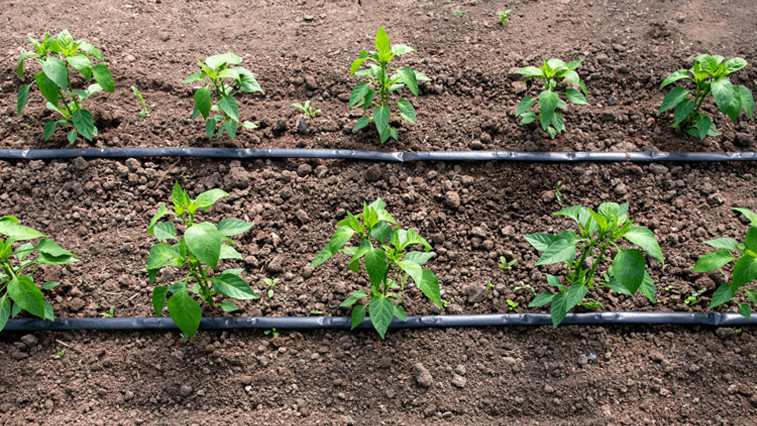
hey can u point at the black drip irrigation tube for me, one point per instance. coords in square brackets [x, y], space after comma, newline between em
[715, 319]
[396, 156]
[309, 323]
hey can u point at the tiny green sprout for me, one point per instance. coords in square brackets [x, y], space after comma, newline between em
[270, 283]
[504, 264]
[110, 313]
[145, 110]
[316, 312]
[489, 286]
[738, 330]
[306, 109]
[272, 332]
[445, 303]
[692, 300]
[522, 286]
[558, 192]
[511, 304]
[503, 16]
[459, 13]
[60, 354]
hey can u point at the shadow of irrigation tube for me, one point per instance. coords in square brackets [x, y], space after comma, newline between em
[313, 323]
[401, 157]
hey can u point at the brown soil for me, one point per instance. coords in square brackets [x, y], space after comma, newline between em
[302, 50]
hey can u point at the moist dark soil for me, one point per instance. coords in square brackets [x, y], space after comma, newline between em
[472, 213]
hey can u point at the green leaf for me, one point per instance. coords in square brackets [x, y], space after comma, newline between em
[383, 46]
[159, 299]
[90, 50]
[358, 315]
[745, 270]
[748, 213]
[407, 111]
[399, 312]
[230, 107]
[429, 286]
[752, 295]
[628, 269]
[47, 87]
[524, 105]
[210, 127]
[49, 285]
[358, 93]
[413, 269]
[229, 227]
[27, 295]
[722, 91]
[647, 288]
[361, 122]
[356, 65]
[734, 64]
[55, 69]
[196, 76]
[723, 294]
[645, 239]
[50, 128]
[160, 255]
[673, 98]
[408, 76]
[231, 285]
[559, 309]
[548, 101]
[560, 250]
[672, 78]
[204, 241]
[202, 101]
[543, 299]
[51, 248]
[231, 128]
[539, 241]
[381, 118]
[682, 111]
[165, 231]
[104, 78]
[723, 243]
[376, 265]
[751, 239]
[207, 199]
[5, 311]
[84, 123]
[711, 261]
[401, 49]
[574, 295]
[216, 61]
[348, 302]
[228, 252]
[18, 232]
[22, 98]
[20, 67]
[185, 312]
[162, 211]
[575, 96]
[747, 101]
[703, 126]
[338, 240]
[381, 310]
[745, 310]
[228, 306]
[419, 257]
[530, 72]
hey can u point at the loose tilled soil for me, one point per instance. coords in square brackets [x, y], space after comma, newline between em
[471, 212]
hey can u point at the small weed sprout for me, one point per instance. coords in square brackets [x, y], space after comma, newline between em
[270, 283]
[145, 110]
[692, 299]
[222, 81]
[489, 286]
[306, 109]
[376, 94]
[316, 312]
[523, 286]
[58, 56]
[60, 354]
[503, 16]
[709, 75]
[511, 305]
[744, 255]
[458, 12]
[110, 313]
[271, 332]
[504, 264]
[553, 74]
[558, 192]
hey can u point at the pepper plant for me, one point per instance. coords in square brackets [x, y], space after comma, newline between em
[197, 252]
[223, 81]
[710, 76]
[384, 81]
[744, 255]
[385, 254]
[598, 233]
[58, 56]
[17, 288]
[553, 74]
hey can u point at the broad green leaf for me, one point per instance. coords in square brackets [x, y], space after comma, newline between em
[196, 76]
[575, 96]
[383, 46]
[682, 111]
[204, 241]
[628, 269]
[547, 104]
[202, 101]
[751, 239]
[231, 129]
[47, 87]
[361, 122]
[672, 78]
[647, 288]
[413, 269]
[50, 128]
[571, 212]
[230, 107]
[407, 111]
[179, 198]
[574, 295]
[524, 105]
[752, 295]
[160, 255]
[89, 49]
[216, 61]
[210, 127]
[722, 91]
[22, 98]
[723, 294]
[543, 299]
[723, 243]
[65, 40]
[747, 101]
[677, 95]
[20, 66]
[207, 199]
[530, 72]
[528, 118]
[381, 311]
[556, 64]
[185, 312]
[55, 69]
[381, 118]
[559, 309]
[104, 78]
[45, 258]
[348, 302]
[358, 93]
[748, 213]
[165, 231]
[645, 239]
[399, 312]
[27, 295]
[401, 49]
[231, 285]
[376, 265]
[18, 232]
[358, 315]
[558, 251]
[228, 306]
[745, 270]
[51, 248]
[84, 123]
[745, 310]
[162, 211]
[539, 241]
[49, 285]
[429, 286]
[408, 76]
[734, 64]
[229, 73]
[703, 126]
[356, 65]
[419, 257]
[159, 299]
[228, 252]
[338, 240]
[711, 261]
[554, 281]
[5, 311]
[49, 314]
[229, 227]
